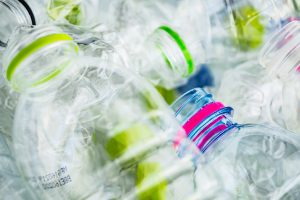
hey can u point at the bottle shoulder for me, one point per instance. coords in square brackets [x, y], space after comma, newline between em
[259, 138]
[253, 157]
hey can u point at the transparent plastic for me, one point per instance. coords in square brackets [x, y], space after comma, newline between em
[8, 102]
[12, 14]
[161, 39]
[157, 39]
[240, 161]
[11, 184]
[240, 28]
[268, 92]
[35, 47]
[101, 133]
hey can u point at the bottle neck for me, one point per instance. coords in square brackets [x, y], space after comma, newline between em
[204, 120]
[280, 55]
[13, 14]
[174, 50]
[169, 57]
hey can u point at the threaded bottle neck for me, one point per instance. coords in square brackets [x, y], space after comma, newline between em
[14, 13]
[281, 53]
[204, 120]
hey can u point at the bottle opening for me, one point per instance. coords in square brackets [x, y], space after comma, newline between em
[29, 11]
[13, 13]
[280, 53]
[174, 50]
[31, 64]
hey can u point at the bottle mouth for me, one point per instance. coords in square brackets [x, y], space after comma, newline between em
[166, 39]
[29, 11]
[37, 55]
[280, 52]
[17, 12]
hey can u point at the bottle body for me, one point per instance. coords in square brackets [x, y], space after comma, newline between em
[13, 14]
[253, 162]
[12, 185]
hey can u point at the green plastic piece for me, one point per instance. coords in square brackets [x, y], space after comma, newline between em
[186, 53]
[69, 9]
[147, 98]
[169, 95]
[146, 172]
[249, 29]
[121, 142]
[75, 15]
[296, 5]
[34, 47]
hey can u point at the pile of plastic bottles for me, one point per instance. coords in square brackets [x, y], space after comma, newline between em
[113, 99]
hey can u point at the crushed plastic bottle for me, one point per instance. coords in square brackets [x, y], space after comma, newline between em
[164, 41]
[267, 90]
[241, 27]
[88, 128]
[240, 161]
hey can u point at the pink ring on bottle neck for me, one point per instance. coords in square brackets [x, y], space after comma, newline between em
[201, 115]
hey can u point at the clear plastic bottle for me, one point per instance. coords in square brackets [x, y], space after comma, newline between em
[240, 28]
[87, 128]
[246, 161]
[14, 13]
[163, 40]
[267, 90]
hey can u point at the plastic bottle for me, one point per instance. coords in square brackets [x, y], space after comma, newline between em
[267, 90]
[157, 39]
[86, 128]
[240, 28]
[18, 12]
[161, 39]
[247, 161]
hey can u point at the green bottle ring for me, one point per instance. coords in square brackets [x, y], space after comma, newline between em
[179, 41]
[34, 47]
